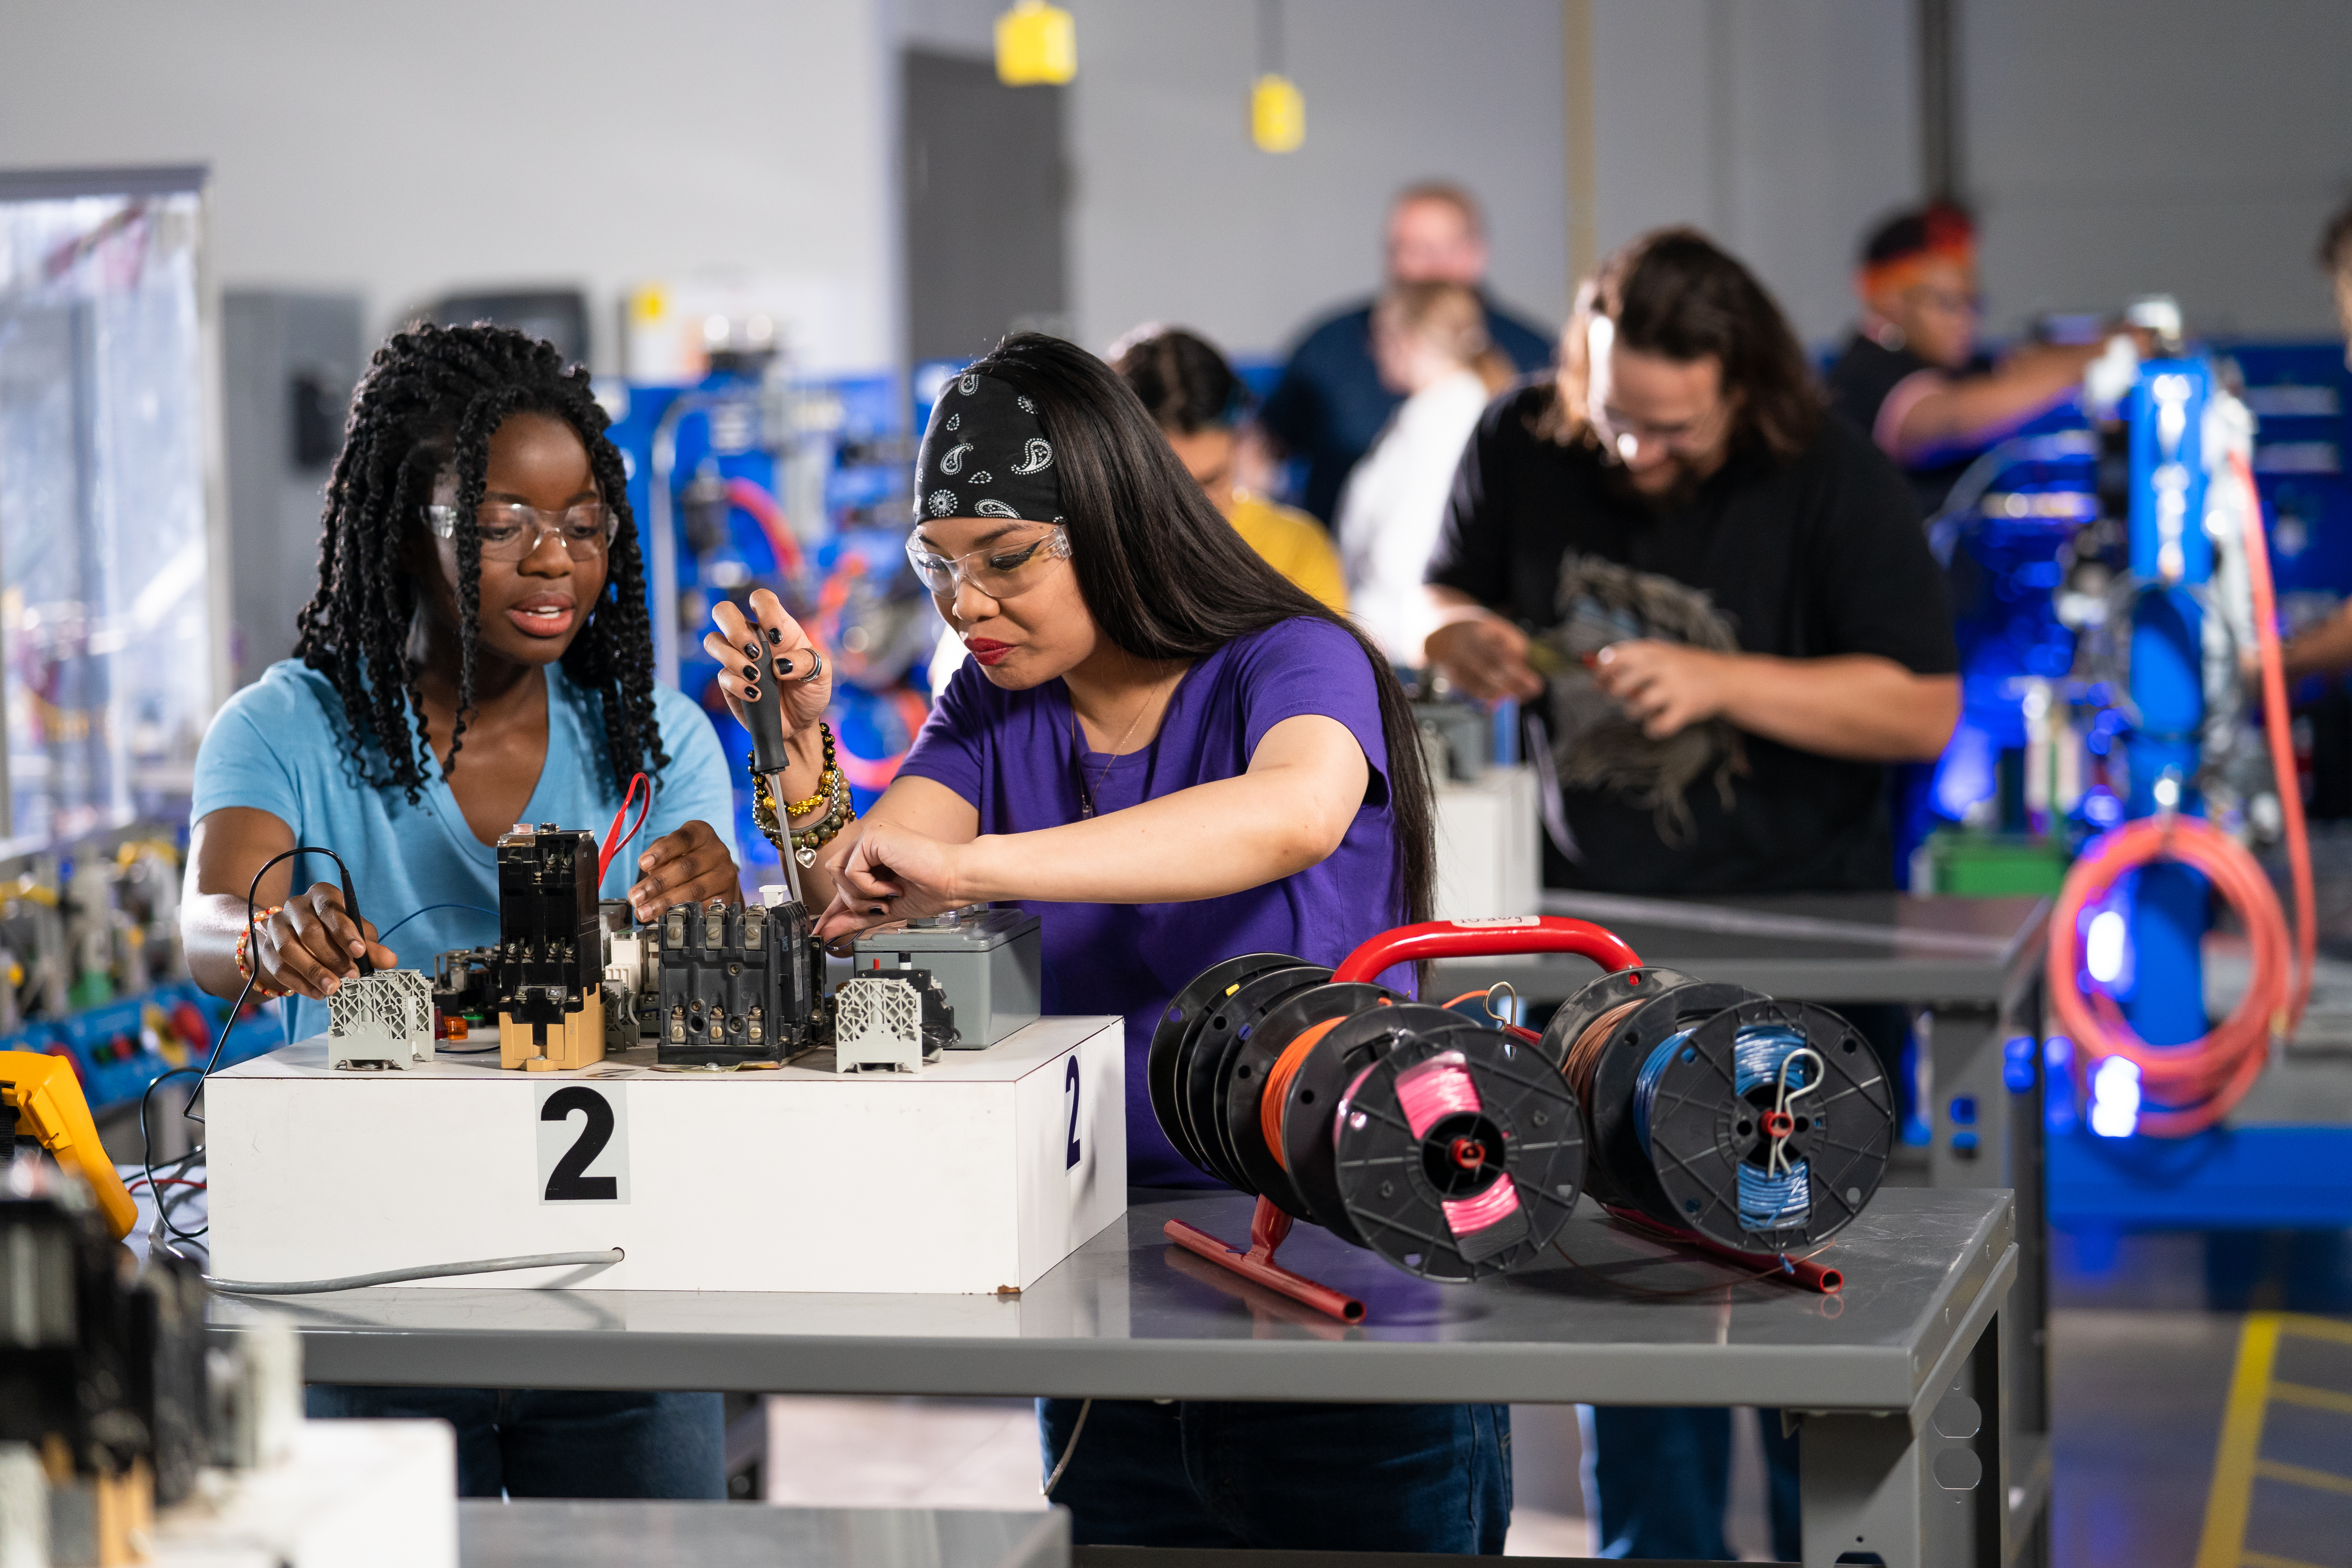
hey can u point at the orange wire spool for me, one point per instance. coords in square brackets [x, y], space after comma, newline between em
[2195, 1084]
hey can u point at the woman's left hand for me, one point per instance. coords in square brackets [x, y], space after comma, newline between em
[684, 867]
[893, 874]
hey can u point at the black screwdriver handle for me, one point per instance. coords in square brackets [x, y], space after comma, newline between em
[764, 715]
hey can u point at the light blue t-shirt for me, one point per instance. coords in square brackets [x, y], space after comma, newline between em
[281, 745]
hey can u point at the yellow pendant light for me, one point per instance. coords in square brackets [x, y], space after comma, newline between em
[1036, 46]
[1278, 111]
[1277, 115]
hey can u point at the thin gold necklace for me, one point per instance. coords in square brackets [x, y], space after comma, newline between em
[1087, 787]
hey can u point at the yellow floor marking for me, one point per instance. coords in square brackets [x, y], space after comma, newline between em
[2224, 1540]
[2303, 1476]
[2303, 1326]
[2265, 1559]
[2303, 1394]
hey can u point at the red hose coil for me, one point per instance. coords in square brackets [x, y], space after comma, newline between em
[2197, 1083]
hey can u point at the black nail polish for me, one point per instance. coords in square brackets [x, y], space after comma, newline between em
[784, 668]
[751, 650]
[751, 672]
[775, 637]
[751, 694]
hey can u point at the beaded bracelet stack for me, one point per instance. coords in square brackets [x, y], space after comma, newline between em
[831, 793]
[244, 958]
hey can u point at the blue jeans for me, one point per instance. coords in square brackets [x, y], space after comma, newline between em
[560, 1443]
[1296, 1478]
[1663, 1476]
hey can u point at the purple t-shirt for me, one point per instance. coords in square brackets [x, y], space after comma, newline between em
[1010, 755]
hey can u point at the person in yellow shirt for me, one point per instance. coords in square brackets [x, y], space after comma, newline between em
[1197, 401]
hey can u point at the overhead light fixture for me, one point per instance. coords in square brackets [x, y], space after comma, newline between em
[1277, 115]
[1277, 112]
[1036, 46]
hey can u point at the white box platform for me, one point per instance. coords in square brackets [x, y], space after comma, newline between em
[981, 1172]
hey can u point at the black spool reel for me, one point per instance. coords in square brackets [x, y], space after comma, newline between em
[1188, 1013]
[1313, 1096]
[1618, 1172]
[1395, 1185]
[1263, 1043]
[1205, 1063]
[1701, 1130]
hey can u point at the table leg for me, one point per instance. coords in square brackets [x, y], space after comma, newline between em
[1923, 1491]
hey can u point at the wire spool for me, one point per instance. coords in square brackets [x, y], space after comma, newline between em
[1204, 1020]
[1763, 1126]
[1257, 1076]
[1458, 1151]
[1307, 1098]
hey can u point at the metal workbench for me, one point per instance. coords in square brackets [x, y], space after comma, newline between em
[540, 1534]
[1971, 972]
[1907, 1449]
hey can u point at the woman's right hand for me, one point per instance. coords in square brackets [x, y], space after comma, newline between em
[736, 643]
[312, 945]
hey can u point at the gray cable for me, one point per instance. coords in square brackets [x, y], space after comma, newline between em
[1069, 1448]
[395, 1276]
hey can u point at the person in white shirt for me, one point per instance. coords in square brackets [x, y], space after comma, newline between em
[1430, 342]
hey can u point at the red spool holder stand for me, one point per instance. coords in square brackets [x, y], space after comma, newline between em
[1405, 945]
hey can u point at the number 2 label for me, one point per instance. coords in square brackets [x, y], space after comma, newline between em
[1072, 1153]
[583, 1144]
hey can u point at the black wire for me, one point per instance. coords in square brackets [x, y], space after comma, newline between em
[253, 957]
[147, 1144]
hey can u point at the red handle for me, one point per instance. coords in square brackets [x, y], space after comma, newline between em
[1486, 939]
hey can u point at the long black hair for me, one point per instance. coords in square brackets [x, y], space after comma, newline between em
[1167, 578]
[430, 400]
[1675, 293]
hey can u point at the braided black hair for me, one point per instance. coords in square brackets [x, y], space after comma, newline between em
[430, 400]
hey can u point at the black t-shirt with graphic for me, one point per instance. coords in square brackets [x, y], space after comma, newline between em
[1820, 555]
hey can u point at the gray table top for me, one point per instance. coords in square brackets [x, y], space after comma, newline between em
[1130, 1316]
[541, 1534]
[1819, 947]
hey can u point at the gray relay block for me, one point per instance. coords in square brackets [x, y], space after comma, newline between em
[990, 962]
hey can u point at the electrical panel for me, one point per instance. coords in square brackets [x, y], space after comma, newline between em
[735, 984]
[551, 974]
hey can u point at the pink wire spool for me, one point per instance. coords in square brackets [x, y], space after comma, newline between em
[1459, 1153]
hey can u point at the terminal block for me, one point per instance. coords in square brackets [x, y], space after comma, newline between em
[890, 1019]
[383, 1021]
[550, 976]
[736, 984]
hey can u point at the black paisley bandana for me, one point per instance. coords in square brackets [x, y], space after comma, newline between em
[986, 456]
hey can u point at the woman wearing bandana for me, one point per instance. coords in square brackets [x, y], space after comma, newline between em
[1173, 756]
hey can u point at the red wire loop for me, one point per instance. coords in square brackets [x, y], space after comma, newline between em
[613, 846]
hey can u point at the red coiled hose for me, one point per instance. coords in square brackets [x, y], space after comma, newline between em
[2197, 1083]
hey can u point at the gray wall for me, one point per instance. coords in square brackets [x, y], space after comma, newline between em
[2193, 147]
[2111, 147]
[1177, 218]
[398, 149]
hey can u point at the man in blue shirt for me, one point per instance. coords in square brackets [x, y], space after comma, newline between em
[1329, 405]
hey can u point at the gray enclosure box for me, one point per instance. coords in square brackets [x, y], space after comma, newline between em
[990, 962]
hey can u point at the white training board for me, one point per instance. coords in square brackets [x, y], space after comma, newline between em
[979, 1173]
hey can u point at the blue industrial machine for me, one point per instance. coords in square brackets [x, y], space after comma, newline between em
[2101, 634]
[751, 478]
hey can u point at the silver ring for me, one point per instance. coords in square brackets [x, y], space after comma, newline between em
[816, 665]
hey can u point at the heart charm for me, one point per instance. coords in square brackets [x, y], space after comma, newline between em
[807, 857]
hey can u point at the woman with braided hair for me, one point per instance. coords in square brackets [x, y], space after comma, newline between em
[477, 654]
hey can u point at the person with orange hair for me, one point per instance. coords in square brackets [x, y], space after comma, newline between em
[1912, 378]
